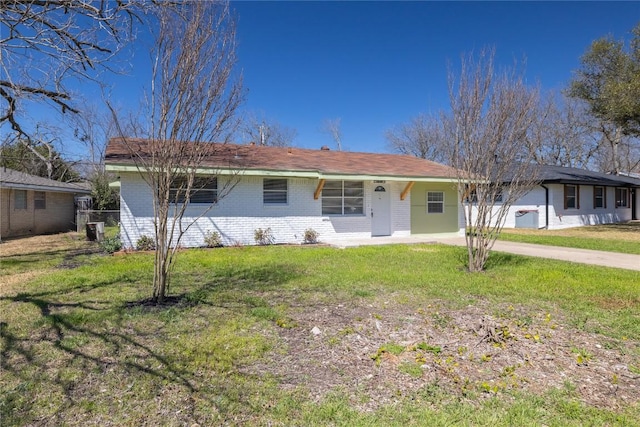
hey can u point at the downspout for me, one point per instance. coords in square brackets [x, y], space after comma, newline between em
[546, 206]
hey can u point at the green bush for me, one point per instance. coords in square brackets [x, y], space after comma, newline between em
[311, 236]
[263, 237]
[111, 244]
[212, 239]
[145, 243]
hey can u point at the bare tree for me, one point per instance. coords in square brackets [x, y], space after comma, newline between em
[423, 137]
[563, 134]
[332, 127]
[46, 43]
[193, 97]
[263, 131]
[491, 115]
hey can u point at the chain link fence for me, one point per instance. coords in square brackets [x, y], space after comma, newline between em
[110, 218]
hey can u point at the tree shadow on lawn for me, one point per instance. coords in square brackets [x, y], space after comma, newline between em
[36, 356]
[64, 336]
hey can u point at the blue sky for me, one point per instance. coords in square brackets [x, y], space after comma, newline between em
[375, 65]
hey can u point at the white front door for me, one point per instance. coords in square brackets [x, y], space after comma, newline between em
[381, 210]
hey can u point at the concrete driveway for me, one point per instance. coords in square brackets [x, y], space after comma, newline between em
[582, 256]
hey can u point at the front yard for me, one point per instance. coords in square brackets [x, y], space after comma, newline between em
[311, 335]
[624, 238]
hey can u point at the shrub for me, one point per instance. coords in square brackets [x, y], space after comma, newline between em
[145, 243]
[212, 239]
[110, 222]
[311, 236]
[111, 244]
[263, 237]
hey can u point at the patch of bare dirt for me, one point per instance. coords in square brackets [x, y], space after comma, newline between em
[380, 352]
[42, 244]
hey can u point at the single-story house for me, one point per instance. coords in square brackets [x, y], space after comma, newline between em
[31, 205]
[570, 197]
[340, 195]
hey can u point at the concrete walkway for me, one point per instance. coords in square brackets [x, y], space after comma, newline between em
[583, 256]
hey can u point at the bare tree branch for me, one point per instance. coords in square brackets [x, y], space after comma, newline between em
[491, 115]
[192, 101]
[46, 42]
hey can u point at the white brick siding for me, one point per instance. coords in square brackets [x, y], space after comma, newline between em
[559, 217]
[242, 211]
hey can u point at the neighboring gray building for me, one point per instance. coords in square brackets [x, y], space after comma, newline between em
[31, 205]
[570, 197]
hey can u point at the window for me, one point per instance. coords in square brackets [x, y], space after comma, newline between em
[622, 198]
[471, 193]
[274, 191]
[203, 190]
[39, 200]
[435, 202]
[343, 198]
[571, 197]
[599, 197]
[20, 199]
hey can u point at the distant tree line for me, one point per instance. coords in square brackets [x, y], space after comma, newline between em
[594, 124]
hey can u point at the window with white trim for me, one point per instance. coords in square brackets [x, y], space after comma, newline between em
[343, 198]
[435, 202]
[571, 196]
[203, 191]
[19, 199]
[622, 198]
[274, 191]
[39, 200]
[599, 197]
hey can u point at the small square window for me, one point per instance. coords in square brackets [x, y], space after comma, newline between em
[274, 191]
[39, 200]
[435, 202]
[20, 199]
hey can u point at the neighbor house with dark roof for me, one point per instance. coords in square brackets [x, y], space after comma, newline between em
[31, 205]
[340, 195]
[570, 197]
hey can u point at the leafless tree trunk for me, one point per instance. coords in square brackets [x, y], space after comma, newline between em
[332, 127]
[491, 115]
[192, 101]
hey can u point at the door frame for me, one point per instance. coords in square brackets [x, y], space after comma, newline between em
[380, 227]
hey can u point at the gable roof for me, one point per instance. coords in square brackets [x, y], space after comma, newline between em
[252, 159]
[10, 178]
[563, 175]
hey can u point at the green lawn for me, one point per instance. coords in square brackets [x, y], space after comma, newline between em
[623, 238]
[80, 346]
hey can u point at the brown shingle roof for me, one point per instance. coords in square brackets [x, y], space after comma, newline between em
[285, 159]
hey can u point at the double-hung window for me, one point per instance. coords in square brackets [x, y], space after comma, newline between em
[39, 200]
[20, 199]
[435, 202]
[274, 191]
[203, 191]
[622, 198]
[571, 196]
[599, 197]
[343, 198]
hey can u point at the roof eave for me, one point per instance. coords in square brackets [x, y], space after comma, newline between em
[113, 167]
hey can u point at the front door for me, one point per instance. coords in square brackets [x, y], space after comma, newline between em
[381, 210]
